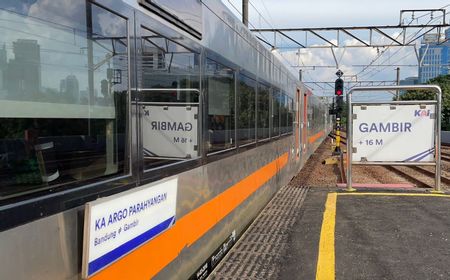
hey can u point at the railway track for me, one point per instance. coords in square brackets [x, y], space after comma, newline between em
[413, 173]
[414, 178]
[343, 139]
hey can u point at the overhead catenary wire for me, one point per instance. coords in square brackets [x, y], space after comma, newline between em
[398, 50]
[260, 33]
[265, 16]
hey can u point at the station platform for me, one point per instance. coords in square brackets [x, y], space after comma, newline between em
[327, 233]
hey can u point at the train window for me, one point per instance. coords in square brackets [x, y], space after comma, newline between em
[284, 114]
[263, 127]
[276, 102]
[247, 107]
[169, 101]
[290, 115]
[63, 95]
[221, 106]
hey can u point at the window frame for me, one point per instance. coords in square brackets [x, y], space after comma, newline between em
[249, 76]
[213, 56]
[142, 21]
[22, 209]
[148, 172]
[275, 95]
[268, 86]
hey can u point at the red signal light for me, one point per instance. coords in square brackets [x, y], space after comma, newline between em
[339, 87]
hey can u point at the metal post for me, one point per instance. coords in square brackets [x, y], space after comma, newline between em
[337, 150]
[245, 12]
[397, 96]
[349, 141]
[90, 59]
[438, 141]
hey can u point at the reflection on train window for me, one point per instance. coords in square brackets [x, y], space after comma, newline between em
[166, 65]
[63, 94]
[263, 112]
[168, 80]
[276, 101]
[284, 114]
[290, 122]
[221, 103]
[247, 106]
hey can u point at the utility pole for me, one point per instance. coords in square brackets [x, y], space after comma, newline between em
[245, 12]
[398, 83]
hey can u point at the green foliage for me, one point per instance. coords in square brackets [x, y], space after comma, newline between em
[444, 83]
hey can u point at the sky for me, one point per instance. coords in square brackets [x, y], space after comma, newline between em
[332, 13]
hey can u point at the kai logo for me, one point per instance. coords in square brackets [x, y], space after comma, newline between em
[422, 113]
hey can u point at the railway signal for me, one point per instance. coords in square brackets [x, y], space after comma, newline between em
[339, 92]
[339, 87]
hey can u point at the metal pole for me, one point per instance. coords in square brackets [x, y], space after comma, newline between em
[438, 141]
[337, 150]
[300, 75]
[245, 12]
[397, 96]
[90, 59]
[349, 141]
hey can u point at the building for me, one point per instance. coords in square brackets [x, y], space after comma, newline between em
[3, 66]
[69, 89]
[23, 74]
[434, 57]
[409, 81]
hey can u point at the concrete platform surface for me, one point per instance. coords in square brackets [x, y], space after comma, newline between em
[326, 233]
[370, 235]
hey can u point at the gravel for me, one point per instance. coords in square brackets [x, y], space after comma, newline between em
[315, 174]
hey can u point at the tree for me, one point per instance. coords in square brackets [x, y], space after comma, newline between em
[444, 83]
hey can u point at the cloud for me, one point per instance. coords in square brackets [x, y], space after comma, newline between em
[111, 25]
[348, 60]
[64, 12]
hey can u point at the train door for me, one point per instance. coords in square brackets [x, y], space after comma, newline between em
[305, 122]
[298, 125]
[168, 99]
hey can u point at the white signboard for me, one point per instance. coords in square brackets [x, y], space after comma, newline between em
[170, 131]
[403, 133]
[430, 38]
[117, 225]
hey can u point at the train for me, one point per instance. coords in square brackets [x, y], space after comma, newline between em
[140, 138]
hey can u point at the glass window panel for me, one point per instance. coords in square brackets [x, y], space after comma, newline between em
[276, 102]
[63, 94]
[290, 115]
[247, 106]
[167, 65]
[168, 79]
[263, 112]
[284, 114]
[221, 102]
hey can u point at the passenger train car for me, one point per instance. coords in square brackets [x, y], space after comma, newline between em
[139, 138]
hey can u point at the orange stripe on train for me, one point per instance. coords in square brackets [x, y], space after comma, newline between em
[314, 138]
[146, 261]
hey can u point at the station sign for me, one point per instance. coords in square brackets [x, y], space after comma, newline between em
[170, 131]
[115, 226]
[393, 133]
